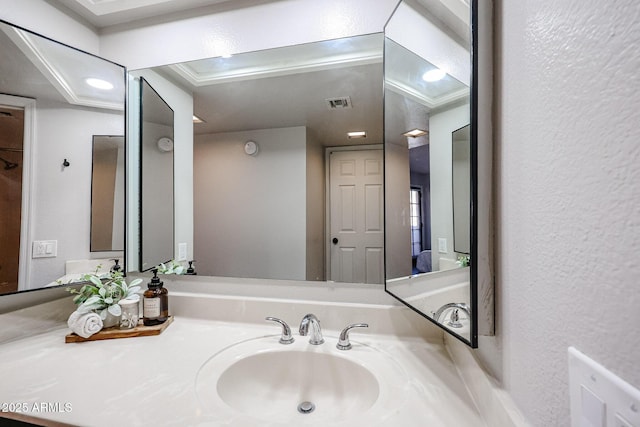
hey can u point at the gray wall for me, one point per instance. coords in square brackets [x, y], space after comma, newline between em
[250, 211]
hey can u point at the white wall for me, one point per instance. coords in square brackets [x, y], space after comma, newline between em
[441, 126]
[236, 194]
[62, 208]
[568, 197]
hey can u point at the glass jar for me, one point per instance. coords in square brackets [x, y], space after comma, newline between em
[130, 314]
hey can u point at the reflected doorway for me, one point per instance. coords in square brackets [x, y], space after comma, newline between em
[11, 149]
[356, 216]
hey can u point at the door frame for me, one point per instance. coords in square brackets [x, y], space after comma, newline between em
[28, 160]
[327, 195]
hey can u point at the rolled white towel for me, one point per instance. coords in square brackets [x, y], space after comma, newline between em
[84, 324]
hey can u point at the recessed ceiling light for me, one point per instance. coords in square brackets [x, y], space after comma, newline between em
[99, 83]
[197, 119]
[358, 134]
[414, 133]
[434, 75]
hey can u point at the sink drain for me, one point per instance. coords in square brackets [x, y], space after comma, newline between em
[306, 407]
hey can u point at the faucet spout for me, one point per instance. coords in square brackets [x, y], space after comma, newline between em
[316, 332]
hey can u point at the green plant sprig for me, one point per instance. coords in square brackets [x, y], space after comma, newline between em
[103, 292]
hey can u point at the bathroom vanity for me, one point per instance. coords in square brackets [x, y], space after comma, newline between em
[407, 376]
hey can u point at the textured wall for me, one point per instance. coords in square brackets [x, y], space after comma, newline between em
[568, 196]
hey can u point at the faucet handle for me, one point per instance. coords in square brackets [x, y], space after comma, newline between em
[343, 341]
[286, 337]
[454, 319]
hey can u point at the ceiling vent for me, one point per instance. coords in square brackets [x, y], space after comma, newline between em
[339, 103]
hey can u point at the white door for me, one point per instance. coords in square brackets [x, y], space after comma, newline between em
[357, 228]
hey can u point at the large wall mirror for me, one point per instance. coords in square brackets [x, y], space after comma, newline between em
[107, 193]
[271, 144]
[431, 168]
[54, 100]
[271, 128]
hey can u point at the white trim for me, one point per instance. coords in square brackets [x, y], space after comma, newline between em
[28, 156]
[216, 77]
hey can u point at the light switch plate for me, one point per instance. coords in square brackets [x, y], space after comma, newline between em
[182, 251]
[44, 249]
[442, 245]
[620, 400]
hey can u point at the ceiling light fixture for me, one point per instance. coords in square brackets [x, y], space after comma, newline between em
[99, 83]
[197, 119]
[434, 75]
[358, 134]
[414, 133]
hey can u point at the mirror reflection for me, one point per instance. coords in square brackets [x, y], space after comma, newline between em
[49, 113]
[156, 178]
[107, 193]
[271, 144]
[461, 179]
[427, 164]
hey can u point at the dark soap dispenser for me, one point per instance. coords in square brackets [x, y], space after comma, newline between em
[155, 302]
[191, 270]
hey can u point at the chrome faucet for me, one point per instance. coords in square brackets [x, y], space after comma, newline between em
[343, 341]
[316, 332]
[454, 319]
[285, 337]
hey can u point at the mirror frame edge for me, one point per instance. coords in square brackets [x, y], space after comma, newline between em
[140, 142]
[484, 204]
[481, 271]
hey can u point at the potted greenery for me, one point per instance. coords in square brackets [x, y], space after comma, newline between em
[102, 294]
[172, 267]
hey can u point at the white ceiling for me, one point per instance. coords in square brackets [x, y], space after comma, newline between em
[104, 13]
[40, 68]
[289, 86]
[242, 93]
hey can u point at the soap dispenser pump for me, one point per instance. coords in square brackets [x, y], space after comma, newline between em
[116, 267]
[155, 303]
[191, 270]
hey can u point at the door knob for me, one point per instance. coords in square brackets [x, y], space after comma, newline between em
[335, 240]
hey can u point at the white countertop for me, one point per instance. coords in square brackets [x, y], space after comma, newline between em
[148, 381]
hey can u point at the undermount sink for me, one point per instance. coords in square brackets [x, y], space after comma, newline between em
[260, 380]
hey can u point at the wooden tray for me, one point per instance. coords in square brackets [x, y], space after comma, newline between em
[115, 332]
